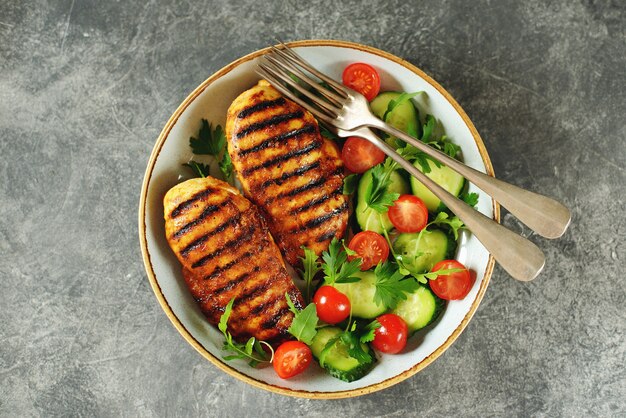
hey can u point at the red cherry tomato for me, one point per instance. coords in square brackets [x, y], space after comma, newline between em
[363, 78]
[453, 286]
[371, 247]
[331, 305]
[291, 358]
[408, 214]
[391, 336]
[359, 155]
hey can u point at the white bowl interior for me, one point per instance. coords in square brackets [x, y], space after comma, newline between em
[212, 104]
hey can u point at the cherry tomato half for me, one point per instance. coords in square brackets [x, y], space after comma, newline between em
[408, 214]
[371, 247]
[363, 78]
[391, 336]
[331, 305]
[453, 286]
[291, 358]
[359, 155]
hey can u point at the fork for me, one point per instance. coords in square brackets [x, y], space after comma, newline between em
[349, 113]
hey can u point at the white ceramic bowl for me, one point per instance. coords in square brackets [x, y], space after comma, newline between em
[210, 101]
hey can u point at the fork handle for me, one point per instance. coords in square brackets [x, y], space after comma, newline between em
[542, 214]
[522, 259]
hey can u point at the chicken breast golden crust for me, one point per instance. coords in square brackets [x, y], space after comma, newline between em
[285, 167]
[227, 252]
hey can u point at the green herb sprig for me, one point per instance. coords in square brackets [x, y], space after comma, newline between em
[252, 350]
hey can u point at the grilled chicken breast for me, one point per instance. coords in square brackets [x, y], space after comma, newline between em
[227, 252]
[287, 168]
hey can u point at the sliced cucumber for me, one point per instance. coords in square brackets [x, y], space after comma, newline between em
[420, 308]
[368, 218]
[421, 253]
[401, 117]
[361, 295]
[338, 362]
[450, 180]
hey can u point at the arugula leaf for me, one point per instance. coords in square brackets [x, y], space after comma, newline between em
[209, 141]
[350, 182]
[470, 198]
[304, 323]
[337, 268]
[311, 266]
[201, 170]
[241, 351]
[391, 285]
[397, 102]
[432, 275]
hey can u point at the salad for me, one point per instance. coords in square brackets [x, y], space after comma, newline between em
[394, 270]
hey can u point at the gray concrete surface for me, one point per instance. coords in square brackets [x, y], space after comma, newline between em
[85, 88]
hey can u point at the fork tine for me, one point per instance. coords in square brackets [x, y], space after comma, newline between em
[282, 62]
[265, 73]
[329, 109]
[298, 60]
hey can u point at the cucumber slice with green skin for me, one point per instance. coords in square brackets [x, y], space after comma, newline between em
[338, 363]
[433, 246]
[420, 308]
[450, 180]
[361, 295]
[368, 218]
[401, 117]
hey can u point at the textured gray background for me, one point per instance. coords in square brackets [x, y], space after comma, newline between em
[85, 88]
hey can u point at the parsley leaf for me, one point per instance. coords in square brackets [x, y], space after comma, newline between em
[251, 350]
[470, 198]
[432, 275]
[454, 223]
[376, 195]
[304, 323]
[397, 102]
[369, 331]
[352, 341]
[350, 182]
[310, 268]
[226, 166]
[337, 268]
[209, 141]
[391, 285]
[201, 170]
[428, 127]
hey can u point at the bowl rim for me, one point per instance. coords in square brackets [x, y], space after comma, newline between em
[179, 325]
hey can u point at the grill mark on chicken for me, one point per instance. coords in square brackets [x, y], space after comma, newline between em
[309, 186]
[220, 228]
[297, 172]
[236, 281]
[313, 223]
[206, 212]
[230, 264]
[252, 293]
[282, 158]
[271, 322]
[274, 120]
[317, 201]
[261, 106]
[325, 236]
[241, 239]
[307, 129]
[182, 207]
